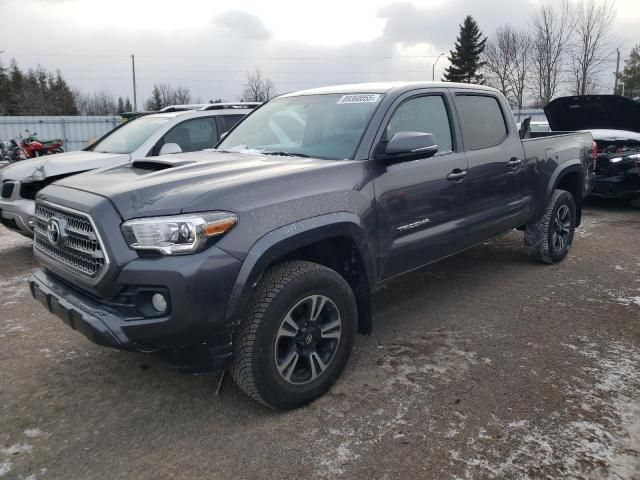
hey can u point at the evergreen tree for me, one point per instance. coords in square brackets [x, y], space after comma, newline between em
[120, 106]
[465, 59]
[155, 102]
[5, 87]
[35, 92]
[61, 96]
[127, 105]
[630, 76]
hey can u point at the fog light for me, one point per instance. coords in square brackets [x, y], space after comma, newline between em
[159, 302]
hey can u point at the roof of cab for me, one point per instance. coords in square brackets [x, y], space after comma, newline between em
[384, 87]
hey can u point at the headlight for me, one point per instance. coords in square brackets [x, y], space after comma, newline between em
[177, 234]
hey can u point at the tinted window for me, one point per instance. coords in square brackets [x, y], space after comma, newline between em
[481, 120]
[230, 121]
[193, 135]
[426, 115]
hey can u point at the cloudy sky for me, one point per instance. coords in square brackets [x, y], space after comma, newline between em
[208, 45]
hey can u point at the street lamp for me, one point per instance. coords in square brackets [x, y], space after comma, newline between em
[433, 68]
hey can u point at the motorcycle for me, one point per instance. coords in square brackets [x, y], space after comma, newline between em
[36, 148]
[12, 151]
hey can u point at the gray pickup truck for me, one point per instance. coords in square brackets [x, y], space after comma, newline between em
[260, 256]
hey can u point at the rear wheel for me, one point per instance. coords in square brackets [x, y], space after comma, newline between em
[297, 337]
[549, 239]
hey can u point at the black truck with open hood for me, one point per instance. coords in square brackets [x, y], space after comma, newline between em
[614, 122]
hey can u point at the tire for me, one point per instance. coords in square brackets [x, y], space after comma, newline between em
[267, 344]
[549, 239]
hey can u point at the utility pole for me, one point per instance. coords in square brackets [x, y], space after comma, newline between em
[615, 83]
[133, 69]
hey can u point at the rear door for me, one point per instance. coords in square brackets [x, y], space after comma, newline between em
[495, 195]
[420, 202]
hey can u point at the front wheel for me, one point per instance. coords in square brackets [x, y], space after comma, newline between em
[548, 240]
[297, 337]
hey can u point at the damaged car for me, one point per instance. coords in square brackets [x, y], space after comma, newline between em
[614, 122]
[175, 129]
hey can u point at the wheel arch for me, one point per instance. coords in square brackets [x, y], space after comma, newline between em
[337, 241]
[570, 177]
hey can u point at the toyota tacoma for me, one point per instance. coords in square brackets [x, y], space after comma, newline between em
[260, 256]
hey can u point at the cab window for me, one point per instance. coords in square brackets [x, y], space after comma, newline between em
[481, 120]
[427, 114]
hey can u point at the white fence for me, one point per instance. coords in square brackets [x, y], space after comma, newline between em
[77, 132]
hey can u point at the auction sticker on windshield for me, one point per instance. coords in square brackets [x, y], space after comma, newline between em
[359, 98]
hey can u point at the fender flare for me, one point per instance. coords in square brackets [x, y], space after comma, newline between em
[291, 237]
[560, 171]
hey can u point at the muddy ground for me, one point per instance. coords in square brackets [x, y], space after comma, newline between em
[485, 365]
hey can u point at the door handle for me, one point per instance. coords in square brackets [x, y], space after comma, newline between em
[457, 174]
[514, 163]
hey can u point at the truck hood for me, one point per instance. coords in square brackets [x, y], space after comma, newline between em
[590, 112]
[37, 169]
[199, 181]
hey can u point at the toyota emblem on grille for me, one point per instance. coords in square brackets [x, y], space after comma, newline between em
[53, 231]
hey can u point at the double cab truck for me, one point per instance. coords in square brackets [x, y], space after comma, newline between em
[260, 256]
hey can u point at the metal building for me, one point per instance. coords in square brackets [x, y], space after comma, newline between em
[77, 132]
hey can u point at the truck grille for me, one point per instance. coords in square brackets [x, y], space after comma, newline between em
[68, 239]
[7, 189]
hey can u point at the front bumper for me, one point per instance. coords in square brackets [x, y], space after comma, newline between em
[193, 335]
[79, 312]
[16, 214]
[628, 188]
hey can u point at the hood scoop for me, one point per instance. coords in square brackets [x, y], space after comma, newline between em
[160, 163]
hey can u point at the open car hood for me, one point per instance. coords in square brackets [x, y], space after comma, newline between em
[589, 112]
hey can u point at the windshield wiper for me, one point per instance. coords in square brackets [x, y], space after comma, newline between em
[287, 154]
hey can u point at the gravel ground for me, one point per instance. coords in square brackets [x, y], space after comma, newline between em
[485, 365]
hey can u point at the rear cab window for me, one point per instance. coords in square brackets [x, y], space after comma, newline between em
[482, 121]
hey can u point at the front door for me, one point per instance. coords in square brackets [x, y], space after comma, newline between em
[420, 202]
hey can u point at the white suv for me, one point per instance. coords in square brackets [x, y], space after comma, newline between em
[174, 129]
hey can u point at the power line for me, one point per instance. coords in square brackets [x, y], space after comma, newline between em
[231, 57]
[266, 72]
[209, 80]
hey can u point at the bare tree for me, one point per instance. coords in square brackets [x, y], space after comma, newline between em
[552, 31]
[498, 59]
[519, 74]
[163, 95]
[258, 87]
[100, 103]
[508, 61]
[592, 46]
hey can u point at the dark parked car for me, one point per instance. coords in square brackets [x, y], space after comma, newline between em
[614, 122]
[261, 256]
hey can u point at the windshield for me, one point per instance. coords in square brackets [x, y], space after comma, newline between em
[320, 126]
[130, 136]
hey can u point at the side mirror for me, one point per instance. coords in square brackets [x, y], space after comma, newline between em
[410, 146]
[170, 148]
